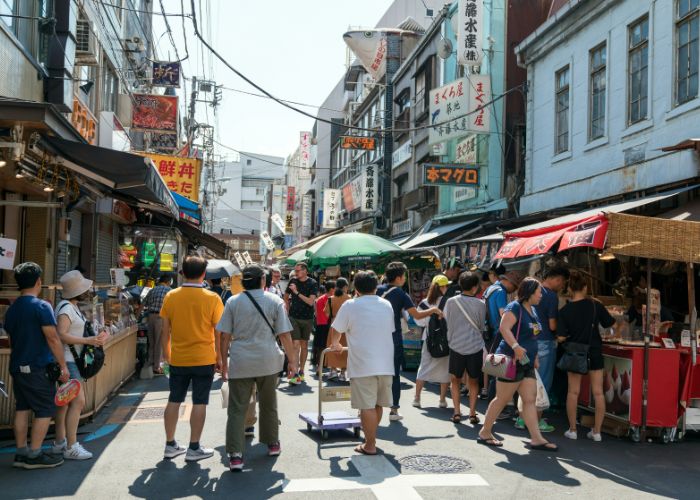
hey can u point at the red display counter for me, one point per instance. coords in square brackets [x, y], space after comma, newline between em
[622, 387]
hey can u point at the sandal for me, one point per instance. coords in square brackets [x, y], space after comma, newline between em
[546, 446]
[456, 418]
[493, 442]
[473, 419]
[361, 449]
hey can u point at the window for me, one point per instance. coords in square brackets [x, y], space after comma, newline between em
[259, 191]
[110, 88]
[562, 111]
[688, 51]
[596, 126]
[421, 93]
[25, 27]
[638, 67]
[249, 162]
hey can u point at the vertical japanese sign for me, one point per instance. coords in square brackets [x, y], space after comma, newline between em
[306, 202]
[291, 201]
[460, 108]
[331, 206]
[466, 150]
[181, 175]
[289, 223]
[305, 155]
[267, 241]
[247, 258]
[239, 259]
[166, 74]
[369, 189]
[470, 35]
[277, 221]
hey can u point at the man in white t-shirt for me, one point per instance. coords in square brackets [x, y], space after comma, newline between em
[367, 322]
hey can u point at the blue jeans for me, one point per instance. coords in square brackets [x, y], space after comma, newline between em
[547, 356]
[396, 382]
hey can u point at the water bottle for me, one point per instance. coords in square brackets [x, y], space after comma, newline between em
[166, 368]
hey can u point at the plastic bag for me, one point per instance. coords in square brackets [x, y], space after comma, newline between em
[542, 399]
[224, 394]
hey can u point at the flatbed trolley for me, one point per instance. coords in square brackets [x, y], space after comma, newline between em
[330, 419]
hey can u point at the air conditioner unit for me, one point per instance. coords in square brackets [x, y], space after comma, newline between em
[85, 46]
[124, 107]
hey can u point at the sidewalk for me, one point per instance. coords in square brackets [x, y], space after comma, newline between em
[127, 439]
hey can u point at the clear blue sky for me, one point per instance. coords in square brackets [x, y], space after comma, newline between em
[293, 48]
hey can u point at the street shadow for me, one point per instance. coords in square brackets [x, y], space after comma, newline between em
[179, 481]
[295, 390]
[397, 433]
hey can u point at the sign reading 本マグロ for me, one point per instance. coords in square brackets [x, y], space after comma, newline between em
[470, 22]
[443, 174]
[460, 108]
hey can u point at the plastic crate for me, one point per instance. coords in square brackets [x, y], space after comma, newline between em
[411, 359]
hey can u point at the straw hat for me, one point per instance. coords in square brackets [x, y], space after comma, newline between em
[74, 284]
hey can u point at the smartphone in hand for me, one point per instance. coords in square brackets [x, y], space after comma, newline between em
[525, 360]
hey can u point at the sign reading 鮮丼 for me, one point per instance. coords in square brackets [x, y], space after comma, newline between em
[358, 142]
[470, 22]
[460, 108]
[443, 174]
[181, 175]
[331, 207]
[369, 189]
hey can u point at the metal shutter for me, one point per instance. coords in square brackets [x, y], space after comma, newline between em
[63, 261]
[105, 250]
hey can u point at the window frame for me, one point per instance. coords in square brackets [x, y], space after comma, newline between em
[594, 74]
[564, 89]
[632, 50]
[687, 18]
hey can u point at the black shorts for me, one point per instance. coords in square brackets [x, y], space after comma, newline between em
[471, 363]
[522, 372]
[34, 391]
[595, 358]
[201, 377]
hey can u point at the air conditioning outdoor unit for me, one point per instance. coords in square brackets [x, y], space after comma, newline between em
[86, 46]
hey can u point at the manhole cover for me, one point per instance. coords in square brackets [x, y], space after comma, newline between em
[435, 464]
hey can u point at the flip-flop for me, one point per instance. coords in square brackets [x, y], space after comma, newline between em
[543, 447]
[361, 449]
[473, 419]
[493, 442]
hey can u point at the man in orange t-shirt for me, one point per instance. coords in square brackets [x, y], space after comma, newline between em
[190, 314]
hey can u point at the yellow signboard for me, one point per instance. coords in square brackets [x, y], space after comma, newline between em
[180, 174]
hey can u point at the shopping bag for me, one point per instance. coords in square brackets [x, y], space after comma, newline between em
[542, 399]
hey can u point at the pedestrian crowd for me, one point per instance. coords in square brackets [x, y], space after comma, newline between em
[475, 341]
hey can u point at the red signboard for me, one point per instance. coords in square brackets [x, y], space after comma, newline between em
[290, 198]
[154, 112]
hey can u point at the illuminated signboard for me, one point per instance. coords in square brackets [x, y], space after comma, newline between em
[353, 142]
[442, 174]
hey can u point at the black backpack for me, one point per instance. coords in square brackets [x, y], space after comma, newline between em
[91, 358]
[436, 338]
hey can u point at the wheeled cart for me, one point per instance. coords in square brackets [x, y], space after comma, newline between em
[331, 419]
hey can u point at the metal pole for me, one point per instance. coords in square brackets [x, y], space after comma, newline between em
[647, 339]
[693, 313]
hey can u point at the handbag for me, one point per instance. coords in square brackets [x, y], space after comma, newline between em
[501, 365]
[91, 358]
[575, 358]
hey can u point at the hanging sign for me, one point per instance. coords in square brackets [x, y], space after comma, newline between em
[369, 189]
[239, 259]
[291, 202]
[352, 194]
[267, 241]
[356, 142]
[166, 74]
[305, 155]
[466, 150]
[458, 108]
[154, 112]
[445, 174]
[306, 213]
[277, 221]
[247, 258]
[331, 207]
[289, 223]
[470, 21]
[8, 250]
[181, 175]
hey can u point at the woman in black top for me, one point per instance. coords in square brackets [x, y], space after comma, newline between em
[578, 322]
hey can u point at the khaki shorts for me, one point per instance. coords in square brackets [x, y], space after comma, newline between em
[302, 328]
[369, 392]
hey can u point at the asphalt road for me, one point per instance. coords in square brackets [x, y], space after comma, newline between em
[128, 460]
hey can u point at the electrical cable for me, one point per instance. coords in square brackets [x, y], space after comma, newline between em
[138, 11]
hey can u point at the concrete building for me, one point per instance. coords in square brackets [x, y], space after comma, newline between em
[610, 84]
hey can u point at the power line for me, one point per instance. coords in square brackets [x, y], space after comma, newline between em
[138, 11]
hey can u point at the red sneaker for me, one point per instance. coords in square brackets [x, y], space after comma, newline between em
[274, 449]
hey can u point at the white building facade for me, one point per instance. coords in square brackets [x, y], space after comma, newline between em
[609, 85]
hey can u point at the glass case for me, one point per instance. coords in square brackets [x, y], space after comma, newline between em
[146, 252]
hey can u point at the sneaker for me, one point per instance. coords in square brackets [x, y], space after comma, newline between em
[416, 402]
[295, 380]
[545, 426]
[520, 423]
[250, 432]
[464, 391]
[594, 436]
[442, 404]
[174, 451]
[274, 449]
[571, 434]
[199, 454]
[43, 461]
[235, 462]
[484, 394]
[504, 415]
[301, 377]
[394, 416]
[76, 452]
[59, 448]
[20, 460]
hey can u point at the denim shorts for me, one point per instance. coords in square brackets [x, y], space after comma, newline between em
[73, 370]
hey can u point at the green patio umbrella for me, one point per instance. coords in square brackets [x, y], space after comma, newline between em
[345, 248]
[297, 256]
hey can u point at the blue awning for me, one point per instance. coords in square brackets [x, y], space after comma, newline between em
[189, 210]
[431, 231]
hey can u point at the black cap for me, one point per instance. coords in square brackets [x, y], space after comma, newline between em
[454, 262]
[252, 271]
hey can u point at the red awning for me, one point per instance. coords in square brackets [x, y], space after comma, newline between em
[588, 232]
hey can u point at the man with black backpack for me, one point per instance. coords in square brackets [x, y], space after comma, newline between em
[254, 320]
[395, 275]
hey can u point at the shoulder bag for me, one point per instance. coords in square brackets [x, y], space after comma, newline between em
[91, 358]
[575, 358]
[257, 306]
[502, 365]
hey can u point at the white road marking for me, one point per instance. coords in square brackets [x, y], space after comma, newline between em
[385, 481]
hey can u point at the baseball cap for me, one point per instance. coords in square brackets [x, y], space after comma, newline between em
[441, 280]
[514, 277]
[454, 262]
[252, 271]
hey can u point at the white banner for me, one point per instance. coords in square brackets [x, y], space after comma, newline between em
[458, 108]
[267, 241]
[370, 48]
[369, 189]
[470, 35]
[239, 259]
[305, 155]
[8, 249]
[247, 258]
[466, 150]
[331, 208]
[306, 202]
[277, 221]
[464, 193]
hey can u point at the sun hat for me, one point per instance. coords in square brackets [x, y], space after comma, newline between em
[514, 277]
[74, 284]
[441, 280]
